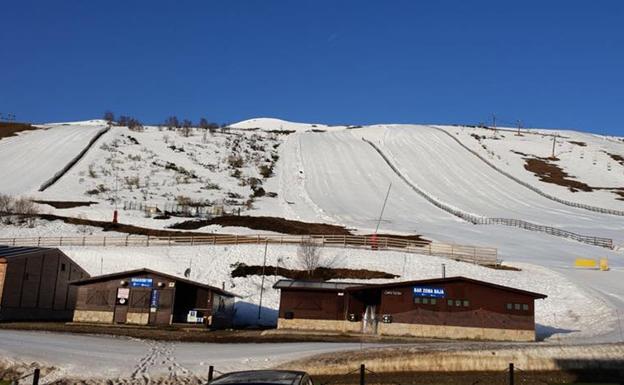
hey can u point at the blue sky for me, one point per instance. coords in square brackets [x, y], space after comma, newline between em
[547, 63]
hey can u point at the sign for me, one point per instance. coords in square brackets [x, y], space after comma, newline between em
[392, 292]
[425, 291]
[155, 299]
[123, 293]
[141, 282]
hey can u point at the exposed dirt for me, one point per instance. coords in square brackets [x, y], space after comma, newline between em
[616, 157]
[582, 144]
[416, 238]
[11, 129]
[65, 204]
[278, 225]
[318, 274]
[552, 173]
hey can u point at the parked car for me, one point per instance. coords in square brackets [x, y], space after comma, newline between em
[264, 377]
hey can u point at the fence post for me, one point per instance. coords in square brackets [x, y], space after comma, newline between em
[169, 241]
[344, 241]
[60, 241]
[363, 374]
[127, 235]
[36, 377]
[104, 242]
[210, 372]
[38, 241]
[511, 373]
[147, 240]
[84, 240]
[192, 240]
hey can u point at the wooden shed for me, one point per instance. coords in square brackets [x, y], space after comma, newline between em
[455, 307]
[34, 284]
[147, 297]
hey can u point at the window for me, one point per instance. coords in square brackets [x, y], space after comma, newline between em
[525, 307]
[449, 302]
[425, 300]
[509, 306]
[516, 306]
[466, 303]
[62, 267]
[458, 302]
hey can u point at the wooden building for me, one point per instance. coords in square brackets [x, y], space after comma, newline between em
[34, 284]
[147, 297]
[455, 307]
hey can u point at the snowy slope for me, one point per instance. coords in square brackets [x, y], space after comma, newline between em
[33, 157]
[585, 157]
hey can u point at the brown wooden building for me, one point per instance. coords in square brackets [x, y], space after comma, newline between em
[455, 307]
[147, 297]
[34, 284]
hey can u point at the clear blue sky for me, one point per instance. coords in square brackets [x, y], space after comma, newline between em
[548, 63]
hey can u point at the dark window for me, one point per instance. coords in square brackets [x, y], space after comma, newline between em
[458, 302]
[509, 306]
[26, 277]
[62, 267]
[466, 303]
[434, 301]
[416, 299]
[449, 302]
[525, 307]
[425, 300]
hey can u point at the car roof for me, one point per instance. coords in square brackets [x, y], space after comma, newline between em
[280, 377]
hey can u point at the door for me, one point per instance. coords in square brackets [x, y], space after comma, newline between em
[121, 306]
[369, 320]
[161, 304]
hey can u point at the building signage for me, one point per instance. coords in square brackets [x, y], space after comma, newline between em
[123, 293]
[392, 292]
[141, 282]
[155, 299]
[425, 291]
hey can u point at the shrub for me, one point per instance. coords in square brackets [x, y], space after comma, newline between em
[265, 170]
[235, 161]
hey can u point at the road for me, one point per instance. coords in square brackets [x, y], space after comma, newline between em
[87, 356]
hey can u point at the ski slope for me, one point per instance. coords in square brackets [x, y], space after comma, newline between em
[438, 165]
[32, 157]
[585, 157]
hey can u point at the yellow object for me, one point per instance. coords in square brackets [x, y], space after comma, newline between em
[604, 264]
[586, 263]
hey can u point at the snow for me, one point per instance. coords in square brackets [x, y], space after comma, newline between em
[271, 124]
[32, 157]
[74, 355]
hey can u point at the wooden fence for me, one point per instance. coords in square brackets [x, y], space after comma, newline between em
[472, 254]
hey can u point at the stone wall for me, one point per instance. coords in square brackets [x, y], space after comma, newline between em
[320, 325]
[454, 332]
[137, 318]
[93, 316]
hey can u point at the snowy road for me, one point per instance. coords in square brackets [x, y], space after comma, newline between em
[97, 356]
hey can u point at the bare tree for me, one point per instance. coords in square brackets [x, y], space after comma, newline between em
[203, 123]
[109, 117]
[172, 122]
[309, 256]
[134, 124]
[122, 120]
[186, 127]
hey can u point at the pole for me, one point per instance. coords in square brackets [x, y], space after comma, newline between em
[553, 149]
[362, 374]
[266, 245]
[519, 125]
[383, 208]
[36, 376]
[494, 121]
[443, 270]
[210, 372]
[511, 373]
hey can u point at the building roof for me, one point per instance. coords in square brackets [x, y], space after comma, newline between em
[315, 285]
[350, 286]
[107, 277]
[435, 281]
[14, 251]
